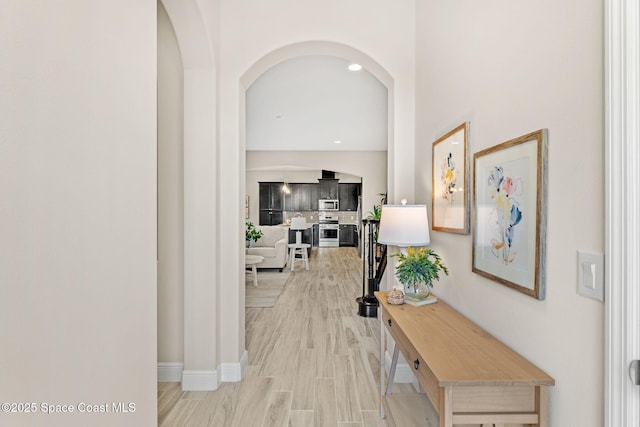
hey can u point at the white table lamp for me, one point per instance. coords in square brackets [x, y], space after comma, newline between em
[404, 225]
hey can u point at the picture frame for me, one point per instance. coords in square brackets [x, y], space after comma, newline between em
[509, 213]
[450, 207]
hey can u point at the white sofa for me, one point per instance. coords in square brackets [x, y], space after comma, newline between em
[272, 246]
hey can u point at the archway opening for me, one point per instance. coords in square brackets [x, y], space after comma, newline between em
[280, 163]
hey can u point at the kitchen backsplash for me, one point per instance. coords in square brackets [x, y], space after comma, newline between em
[344, 217]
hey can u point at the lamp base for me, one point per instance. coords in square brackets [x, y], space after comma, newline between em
[367, 306]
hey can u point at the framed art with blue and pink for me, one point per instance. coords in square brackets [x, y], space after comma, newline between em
[509, 213]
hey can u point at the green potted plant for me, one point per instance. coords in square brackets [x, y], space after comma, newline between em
[376, 211]
[417, 270]
[375, 214]
[252, 235]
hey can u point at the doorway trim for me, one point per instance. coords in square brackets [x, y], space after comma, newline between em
[622, 224]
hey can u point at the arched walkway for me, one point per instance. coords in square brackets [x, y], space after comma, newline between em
[313, 48]
[206, 342]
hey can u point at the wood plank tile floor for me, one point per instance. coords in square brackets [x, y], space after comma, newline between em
[312, 360]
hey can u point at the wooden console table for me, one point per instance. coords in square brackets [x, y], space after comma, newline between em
[468, 375]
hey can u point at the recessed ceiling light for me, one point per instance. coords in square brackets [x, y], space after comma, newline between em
[337, 141]
[355, 67]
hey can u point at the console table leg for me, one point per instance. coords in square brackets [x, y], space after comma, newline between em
[542, 405]
[392, 368]
[446, 407]
[381, 366]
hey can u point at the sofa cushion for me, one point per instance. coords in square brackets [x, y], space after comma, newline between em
[271, 235]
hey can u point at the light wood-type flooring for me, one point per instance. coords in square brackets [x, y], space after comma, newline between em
[312, 360]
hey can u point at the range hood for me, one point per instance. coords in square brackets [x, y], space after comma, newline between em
[328, 187]
[328, 174]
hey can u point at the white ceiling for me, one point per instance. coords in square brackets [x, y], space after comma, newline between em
[307, 103]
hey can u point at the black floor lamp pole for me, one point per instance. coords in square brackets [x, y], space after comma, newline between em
[367, 303]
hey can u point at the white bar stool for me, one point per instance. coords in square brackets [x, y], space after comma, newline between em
[298, 249]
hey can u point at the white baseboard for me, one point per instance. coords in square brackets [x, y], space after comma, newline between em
[203, 380]
[200, 380]
[170, 372]
[234, 372]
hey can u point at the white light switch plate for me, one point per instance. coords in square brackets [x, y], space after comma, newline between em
[591, 275]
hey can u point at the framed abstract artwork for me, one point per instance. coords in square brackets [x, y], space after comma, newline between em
[450, 182]
[509, 213]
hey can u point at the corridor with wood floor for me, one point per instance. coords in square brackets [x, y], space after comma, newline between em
[312, 360]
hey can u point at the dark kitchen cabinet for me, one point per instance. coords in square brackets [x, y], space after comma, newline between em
[271, 196]
[291, 201]
[270, 217]
[271, 203]
[348, 194]
[303, 197]
[313, 190]
[348, 235]
[328, 189]
[316, 235]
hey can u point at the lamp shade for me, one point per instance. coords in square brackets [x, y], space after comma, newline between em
[404, 225]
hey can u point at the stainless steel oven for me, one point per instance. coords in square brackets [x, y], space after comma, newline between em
[329, 229]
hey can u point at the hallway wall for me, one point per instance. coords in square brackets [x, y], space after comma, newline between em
[511, 68]
[78, 210]
[170, 194]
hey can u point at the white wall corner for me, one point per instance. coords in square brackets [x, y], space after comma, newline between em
[234, 372]
[200, 380]
[170, 372]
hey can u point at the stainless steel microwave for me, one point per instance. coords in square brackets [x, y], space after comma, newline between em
[328, 205]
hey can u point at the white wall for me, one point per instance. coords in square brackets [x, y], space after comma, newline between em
[511, 68]
[371, 166]
[249, 30]
[195, 23]
[78, 228]
[170, 194]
